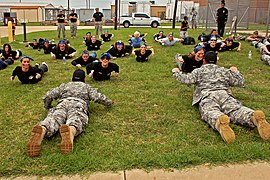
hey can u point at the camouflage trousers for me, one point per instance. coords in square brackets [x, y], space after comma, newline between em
[266, 58]
[219, 103]
[73, 29]
[71, 112]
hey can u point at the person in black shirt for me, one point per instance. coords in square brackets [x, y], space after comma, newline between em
[188, 63]
[28, 74]
[119, 49]
[47, 47]
[213, 45]
[87, 38]
[73, 23]
[184, 27]
[84, 59]
[98, 20]
[34, 44]
[106, 37]
[94, 44]
[230, 45]
[222, 16]
[159, 35]
[102, 70]
[8, 55]
[63, 50]
[61, 24]
[143, 54]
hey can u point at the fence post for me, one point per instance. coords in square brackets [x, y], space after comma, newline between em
[10, 39]
[24, 31]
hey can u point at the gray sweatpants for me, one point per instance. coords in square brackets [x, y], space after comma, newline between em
[61, 26]
[219, 103]
[98, 27]
[70, 112]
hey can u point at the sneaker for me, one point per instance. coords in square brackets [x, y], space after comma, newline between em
[37, 65]
[224, 129]
[45, 64]
[263, 126]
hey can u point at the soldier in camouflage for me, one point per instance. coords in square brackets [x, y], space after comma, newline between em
[70, 115]
[216, 104]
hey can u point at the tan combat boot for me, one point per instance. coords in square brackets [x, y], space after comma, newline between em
[222, 125]
[258, 118]
[67, 133]
[33, 146]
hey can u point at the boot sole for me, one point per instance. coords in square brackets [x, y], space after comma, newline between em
[263, 126]
[66, 143]
[33, 147]
[226, 132]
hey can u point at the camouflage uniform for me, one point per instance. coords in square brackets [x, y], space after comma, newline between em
[72, 108]
[212, 93]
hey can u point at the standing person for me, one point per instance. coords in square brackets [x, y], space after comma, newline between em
[98, 20]
[73, 17]
[69, 116]
[216, 104]
[102, 70]
[28, 74]
[222, 16]
[184, 27]
[13, 31]
[193, 15]
[61, 24]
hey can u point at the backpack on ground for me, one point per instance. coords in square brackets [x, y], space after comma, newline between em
[189, 41]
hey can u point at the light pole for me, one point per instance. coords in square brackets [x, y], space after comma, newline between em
[174, 13]
[115, 19]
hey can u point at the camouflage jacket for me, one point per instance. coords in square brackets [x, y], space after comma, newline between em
[210, 78]
[76, 91]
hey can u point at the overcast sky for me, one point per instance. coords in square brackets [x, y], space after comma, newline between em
[78, 3]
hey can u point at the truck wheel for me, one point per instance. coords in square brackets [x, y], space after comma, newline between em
[126, 24]
[154, 24]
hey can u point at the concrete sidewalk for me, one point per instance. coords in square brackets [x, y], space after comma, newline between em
[259, 170]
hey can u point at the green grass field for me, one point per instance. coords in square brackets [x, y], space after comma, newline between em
[151, 125]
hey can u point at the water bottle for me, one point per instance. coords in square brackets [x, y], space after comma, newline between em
[249, 54]
[64, 60]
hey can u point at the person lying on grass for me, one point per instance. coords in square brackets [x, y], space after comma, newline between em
[69, 116]
[102, 70]
[85, 59]
[28, 74]
[187, 63]
[216, 104]
[119, 49]
[143, 54]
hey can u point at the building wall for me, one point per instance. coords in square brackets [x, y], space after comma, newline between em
[158, 11]
[31, 15]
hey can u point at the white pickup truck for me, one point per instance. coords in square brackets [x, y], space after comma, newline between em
[139, 19]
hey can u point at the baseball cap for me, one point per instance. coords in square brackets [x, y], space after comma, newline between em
[197, 48]
[106, 55]
[31, 59]
[88, 33]
[213, 38]
[62, 42]
[85, 52]
[78, 75]
[229, 39]
[119, 43]
[210, 57]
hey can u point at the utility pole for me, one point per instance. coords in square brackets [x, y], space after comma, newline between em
[68, 11]
[116, 12]
[174, 13]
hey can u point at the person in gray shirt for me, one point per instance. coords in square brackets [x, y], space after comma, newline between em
[216, 104]
[69, 116]
[169, 40]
